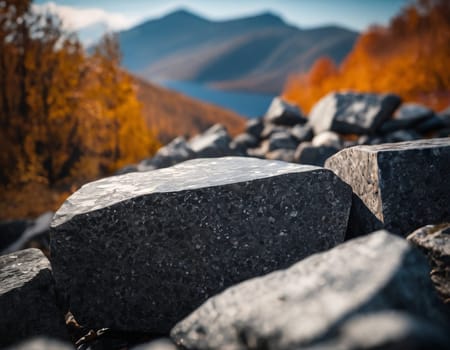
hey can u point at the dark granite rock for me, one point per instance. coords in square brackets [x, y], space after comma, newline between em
[270, 129]
[27, 298]
[243, 141]
[306, 153]
[286, 155]
[140, 251]
[352, 113]
[406, 117]
[255, 127]
[214, 142]
[283, 113]
[402, 136]
[433, 123]
[282, 139]
[42, 344]
[434, 241]
[175, 152]
[11, 231]
[162, 344]
[405, 185]
[36, 235]
[308, 303]
[327, 138]
[390, 330]
[302, 133]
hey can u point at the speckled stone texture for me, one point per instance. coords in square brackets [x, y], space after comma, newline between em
[310, 302]
[140, 251]
[352, 113]
[28, 304]
[403, 185]
[434, 241]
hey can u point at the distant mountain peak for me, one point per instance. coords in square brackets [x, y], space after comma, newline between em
[182, 13]
[270, 16]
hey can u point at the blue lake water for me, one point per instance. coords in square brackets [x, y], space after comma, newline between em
[249, 105]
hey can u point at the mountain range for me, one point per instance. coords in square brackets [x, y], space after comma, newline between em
[254, 53]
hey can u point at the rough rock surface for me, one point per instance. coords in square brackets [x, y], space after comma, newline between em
[42, 344]
[404, 185]
[161, 344]
[308, 303]
[27, 298]
[390, 330]
[140, 251]
[434, 240]
[214, 142]
[352, 113]
[283, 113]
[407, 116]
[306, 153]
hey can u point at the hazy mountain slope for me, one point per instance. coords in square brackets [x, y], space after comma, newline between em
[242, 53]
[170, 114]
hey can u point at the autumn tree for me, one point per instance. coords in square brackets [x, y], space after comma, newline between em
[408, 57]
[64, 115]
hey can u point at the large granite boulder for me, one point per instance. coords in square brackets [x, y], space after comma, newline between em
[434, 241]
[309, 303]
[139, 252]
[282, 113]
[403, 185]
[352, 113]
[42, 344]
[388, 330]
[28, 300]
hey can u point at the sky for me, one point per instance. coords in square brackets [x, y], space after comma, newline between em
[122, 14]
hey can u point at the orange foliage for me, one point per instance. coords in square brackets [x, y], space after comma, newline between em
[409, 57]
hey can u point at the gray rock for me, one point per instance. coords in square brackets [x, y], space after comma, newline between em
[327, 138]
[127, 169]
[255, 127]
[406, 117]
[309, 302]
[270, 129]
[27, 298]
[352, 113]
[175, 152]
[401, 136]
[391, 330]
[404, 185]
[161, 344]
[286, 155]
[140, 251]
[37, 232]
[434, 240]
[42, 344]
[282, 113]
[243, 141]
[302, 133]
[214, 142]
[306, 153]
[433, 123]
[282, 139]
[11, 231]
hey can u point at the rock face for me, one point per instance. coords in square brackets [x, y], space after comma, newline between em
[434, 241]
[42, 344]
[352, 113]
[404, 185]
[308, 303]
[27, 298]
[283, 113]
[214, 142]
[141, 251]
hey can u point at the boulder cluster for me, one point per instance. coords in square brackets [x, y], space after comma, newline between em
[338, 121]
[244, 253]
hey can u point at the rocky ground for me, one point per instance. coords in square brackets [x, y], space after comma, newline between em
[329, 236]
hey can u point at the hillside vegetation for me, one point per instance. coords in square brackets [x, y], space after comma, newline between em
[408, 57]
